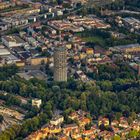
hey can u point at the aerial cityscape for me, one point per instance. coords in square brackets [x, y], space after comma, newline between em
[69, 69]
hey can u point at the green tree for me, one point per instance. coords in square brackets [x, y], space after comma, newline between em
[117, 137]
[106, 85]
[133, 134]
[83, 101]
[48, 109]
[1, 118]
[133, 115]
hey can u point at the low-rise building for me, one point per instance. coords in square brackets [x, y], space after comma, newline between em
[39, 60]
[123, 122]
[4, 5]
[104, 121]
[4, 51]
[83, 121]
[3, 26]
[132, 23]
[130, 48]
[57, 120]
[36, 102]
[67, 129]
[12, 41]
[20, 63]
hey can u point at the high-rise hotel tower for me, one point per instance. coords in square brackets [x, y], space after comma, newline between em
[60, 64]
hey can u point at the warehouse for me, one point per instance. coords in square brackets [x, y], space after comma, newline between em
[4, 51]
[12, 41]
[130, 48]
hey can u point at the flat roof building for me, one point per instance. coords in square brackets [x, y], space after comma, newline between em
[4, 52]
[12, 41]
[130, 48]
[36, 102]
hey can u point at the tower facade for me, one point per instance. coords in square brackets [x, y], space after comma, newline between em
[138, 70]
[60, 64]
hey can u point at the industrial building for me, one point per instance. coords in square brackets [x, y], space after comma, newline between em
[12, 41]
[131, 48]
[4, 51]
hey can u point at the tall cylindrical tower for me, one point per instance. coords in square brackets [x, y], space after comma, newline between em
[60, 64]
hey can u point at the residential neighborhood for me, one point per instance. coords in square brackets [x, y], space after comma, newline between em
[69, 70]
[84, 128]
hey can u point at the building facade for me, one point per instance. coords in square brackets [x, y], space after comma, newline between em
[60, 64]
[138, 70]
[38, 61]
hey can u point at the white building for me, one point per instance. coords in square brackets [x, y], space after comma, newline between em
[36, 102]
[57, 120]
[4, 52]
[12, 41]
[3, 26]
[59, 13]
[10, 59]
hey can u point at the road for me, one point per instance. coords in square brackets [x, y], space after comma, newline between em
[127, 12]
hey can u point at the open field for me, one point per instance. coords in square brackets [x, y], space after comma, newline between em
[94, 39]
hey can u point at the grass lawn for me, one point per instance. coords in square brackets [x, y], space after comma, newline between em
[94, 39]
